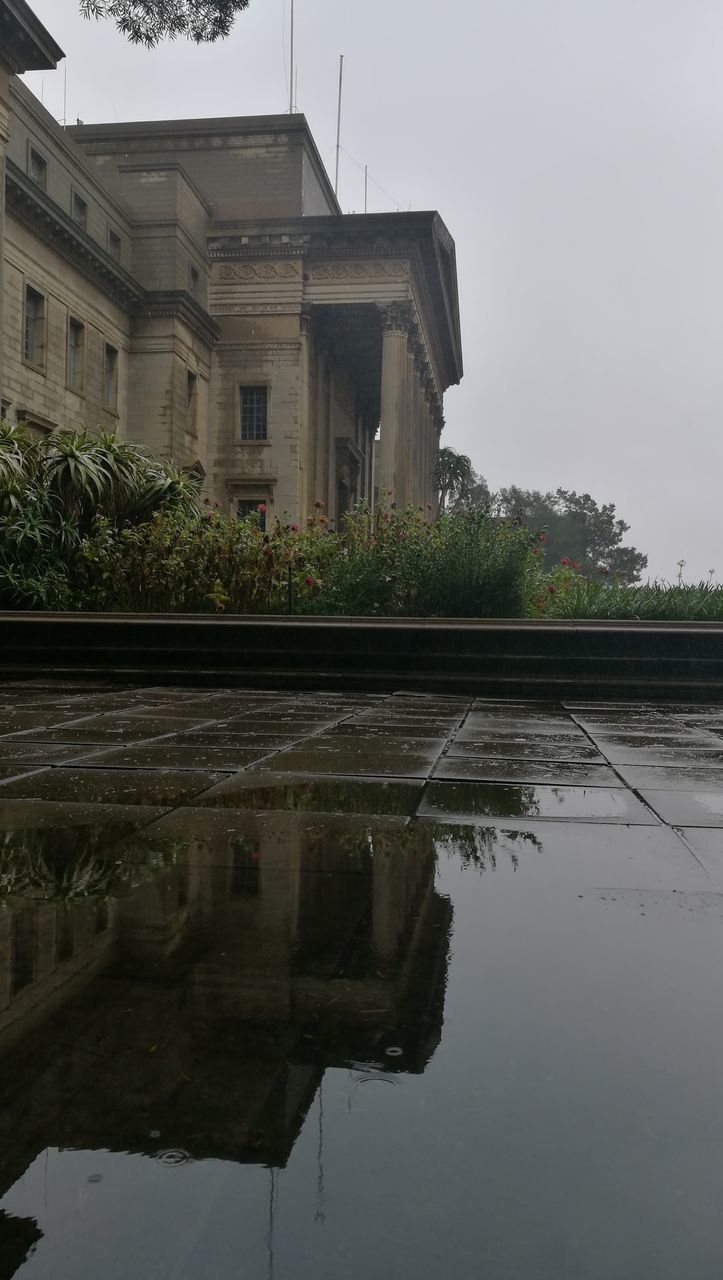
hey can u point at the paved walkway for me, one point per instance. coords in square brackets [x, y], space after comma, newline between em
[151, 750]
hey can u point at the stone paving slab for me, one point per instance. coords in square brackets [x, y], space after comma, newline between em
[472, 760]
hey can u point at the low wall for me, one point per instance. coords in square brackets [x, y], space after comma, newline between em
[491, 658]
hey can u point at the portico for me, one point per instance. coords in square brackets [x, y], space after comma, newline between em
[353, 324]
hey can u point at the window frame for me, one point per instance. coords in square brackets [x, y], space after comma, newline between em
[115, 235]
[192, 380]
[251, 505]
[110, 405]
[77, 387]
[38, 365]
[35, 152]
[75, 195]
[245, 389]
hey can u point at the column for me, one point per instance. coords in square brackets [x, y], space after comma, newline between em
[389, 451]
[307, 497]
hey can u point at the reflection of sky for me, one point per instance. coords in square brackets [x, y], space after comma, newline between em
[568, 1127]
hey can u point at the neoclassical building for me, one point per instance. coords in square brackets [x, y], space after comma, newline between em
[194, 285]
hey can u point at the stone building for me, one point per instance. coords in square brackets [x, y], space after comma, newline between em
[194, 285]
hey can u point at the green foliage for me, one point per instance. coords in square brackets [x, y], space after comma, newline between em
[397, 563]
[454, 477]
[149, 21]
[180, 562]
[51, 495]
[655, 602]
[577, 527]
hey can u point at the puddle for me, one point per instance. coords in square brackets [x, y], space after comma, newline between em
[304, 1026]
[471, 800]
[332, 795]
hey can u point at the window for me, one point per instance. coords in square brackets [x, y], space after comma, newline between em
[248, 506]
[76, 354]
[38, 168]
[254, 409]
[79, 210]
[193, 281]
[34, 337]
[191, 400]
[114, 244]
[110, 377]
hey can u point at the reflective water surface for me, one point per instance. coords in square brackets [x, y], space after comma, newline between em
[292, 1026]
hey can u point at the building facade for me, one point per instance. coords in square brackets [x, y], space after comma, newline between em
[194, 285]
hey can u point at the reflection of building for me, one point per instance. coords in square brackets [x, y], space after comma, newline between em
[208, 1002]
[194, 284]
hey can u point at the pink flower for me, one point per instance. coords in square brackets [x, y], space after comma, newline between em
[294, 528]
[261, 507]
[552, 588]
[565, 560]
[542, 537]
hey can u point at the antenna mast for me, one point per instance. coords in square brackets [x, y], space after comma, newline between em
[291, 69]
[338, 124]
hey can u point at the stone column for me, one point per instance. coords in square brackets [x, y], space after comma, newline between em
[388, 475]
[307, 426]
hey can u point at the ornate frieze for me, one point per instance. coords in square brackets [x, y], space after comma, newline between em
[245, 272]
[361, 269]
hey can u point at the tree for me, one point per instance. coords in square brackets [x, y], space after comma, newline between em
[576, 527]
[149, 21]
[453, 475]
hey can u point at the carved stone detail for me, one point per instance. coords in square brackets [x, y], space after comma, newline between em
[397, 317]
[245, 271]
[364, 269]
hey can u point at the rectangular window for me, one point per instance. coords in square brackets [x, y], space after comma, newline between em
[254, 413]
[79, 210]
[191, 400]
[34, 336]
[38, 167]
[247, 507]
[110, 377]
[114, 244]
[76, 354]
[193, 281]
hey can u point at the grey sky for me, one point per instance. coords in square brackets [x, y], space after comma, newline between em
[574, 149]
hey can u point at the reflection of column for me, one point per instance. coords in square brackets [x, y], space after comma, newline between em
[395, 326]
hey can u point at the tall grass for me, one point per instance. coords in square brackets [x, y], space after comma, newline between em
[654, 602]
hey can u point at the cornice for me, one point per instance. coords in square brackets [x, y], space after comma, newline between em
[25, 44]
[180, 305]
[32, 208]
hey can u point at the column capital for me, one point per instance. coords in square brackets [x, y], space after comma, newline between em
[397, 317]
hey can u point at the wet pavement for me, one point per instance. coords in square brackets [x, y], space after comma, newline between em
[330, 986]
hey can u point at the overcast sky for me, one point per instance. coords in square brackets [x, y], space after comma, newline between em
[573, 148]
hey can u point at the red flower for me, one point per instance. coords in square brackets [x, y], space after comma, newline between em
[310, 582]
[261, 507]
[552, 588]
[576, 564]
[542, 537]
[565, 560]
[294, 528]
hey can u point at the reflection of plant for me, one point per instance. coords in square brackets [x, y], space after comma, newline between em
[479, 847]
[72, 866]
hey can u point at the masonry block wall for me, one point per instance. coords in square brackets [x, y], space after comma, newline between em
[200, 264]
